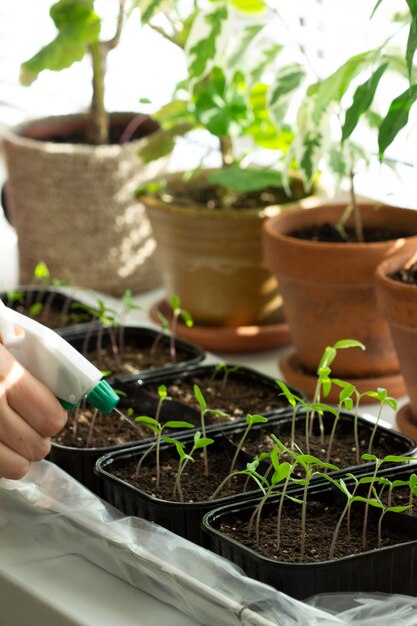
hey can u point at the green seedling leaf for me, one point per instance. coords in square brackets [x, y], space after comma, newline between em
[396, 118]
[256, 419]
[35, 309]
[200, 398]
[327, 358]
[398, 508]
[369, 457]
[174, 302]
[412, 40]
[41, 272]
[349, 343]
[203, 442]
[188, 320]
[172, 441]
[175, 424]
[145, 419]
[162, 391]
[281, 473]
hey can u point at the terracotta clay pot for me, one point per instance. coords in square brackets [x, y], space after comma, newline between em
[212, 258]
[328, 288]
[397, 302]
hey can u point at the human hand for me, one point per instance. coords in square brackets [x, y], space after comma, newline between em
[29, 415]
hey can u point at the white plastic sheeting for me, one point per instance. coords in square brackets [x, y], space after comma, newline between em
[59, 512]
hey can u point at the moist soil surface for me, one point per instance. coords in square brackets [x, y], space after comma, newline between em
[196, 486]
[109, 430]
[237, 398]
[343, 452]
[407, 275]
[213, 197]
[328, 233]
[320, 524]
[134, 360]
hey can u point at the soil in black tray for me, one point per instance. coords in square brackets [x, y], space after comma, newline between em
[109, 430]
[195, 485]
[49, 308]
[343, 453]
[134, 360]
[237, 398]
[327, 232]
[320, 524]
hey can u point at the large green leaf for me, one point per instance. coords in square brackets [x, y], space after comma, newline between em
[396, 118]
[362, 100]
[205, 49]
[286, 82]
[246, 180]
[333, 88]
[221, 106]
[249, 6]
[246, 38]
[78, 27]
[265, 58]
[161, 142]
[411, 45]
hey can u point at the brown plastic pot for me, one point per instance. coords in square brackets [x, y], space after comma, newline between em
[213, 258]
[397, 302]
[328, 288]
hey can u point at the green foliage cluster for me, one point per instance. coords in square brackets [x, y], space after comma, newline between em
[290, 466]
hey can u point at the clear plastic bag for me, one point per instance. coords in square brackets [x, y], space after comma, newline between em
[61, 513]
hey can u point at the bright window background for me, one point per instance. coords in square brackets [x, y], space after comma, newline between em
[146, 66]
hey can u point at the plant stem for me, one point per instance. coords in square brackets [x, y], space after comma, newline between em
[372, 437]
[226, 150]
[99, 132]
[332, 434]
[355, 429]
[91, 429]
[280, 508]
[337, 529]
[303, 517]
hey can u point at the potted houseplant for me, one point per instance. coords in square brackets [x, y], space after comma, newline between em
[207, 222]
[397, 297]
[322, 259]
[70, 179]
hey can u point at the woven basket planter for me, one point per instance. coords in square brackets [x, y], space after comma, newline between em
[73, 205]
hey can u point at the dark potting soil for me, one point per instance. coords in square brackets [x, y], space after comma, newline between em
[213, 197]
[343, 452]
[320, 524]
[328, 233]
[195, 485]
[407, 275]
[133, 360]
[109, 430]
[237, 397]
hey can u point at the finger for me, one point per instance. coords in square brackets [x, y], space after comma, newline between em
[20, 437]
[30, 398]
[12, 465]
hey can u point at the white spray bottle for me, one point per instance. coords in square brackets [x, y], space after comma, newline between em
[53, 361]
